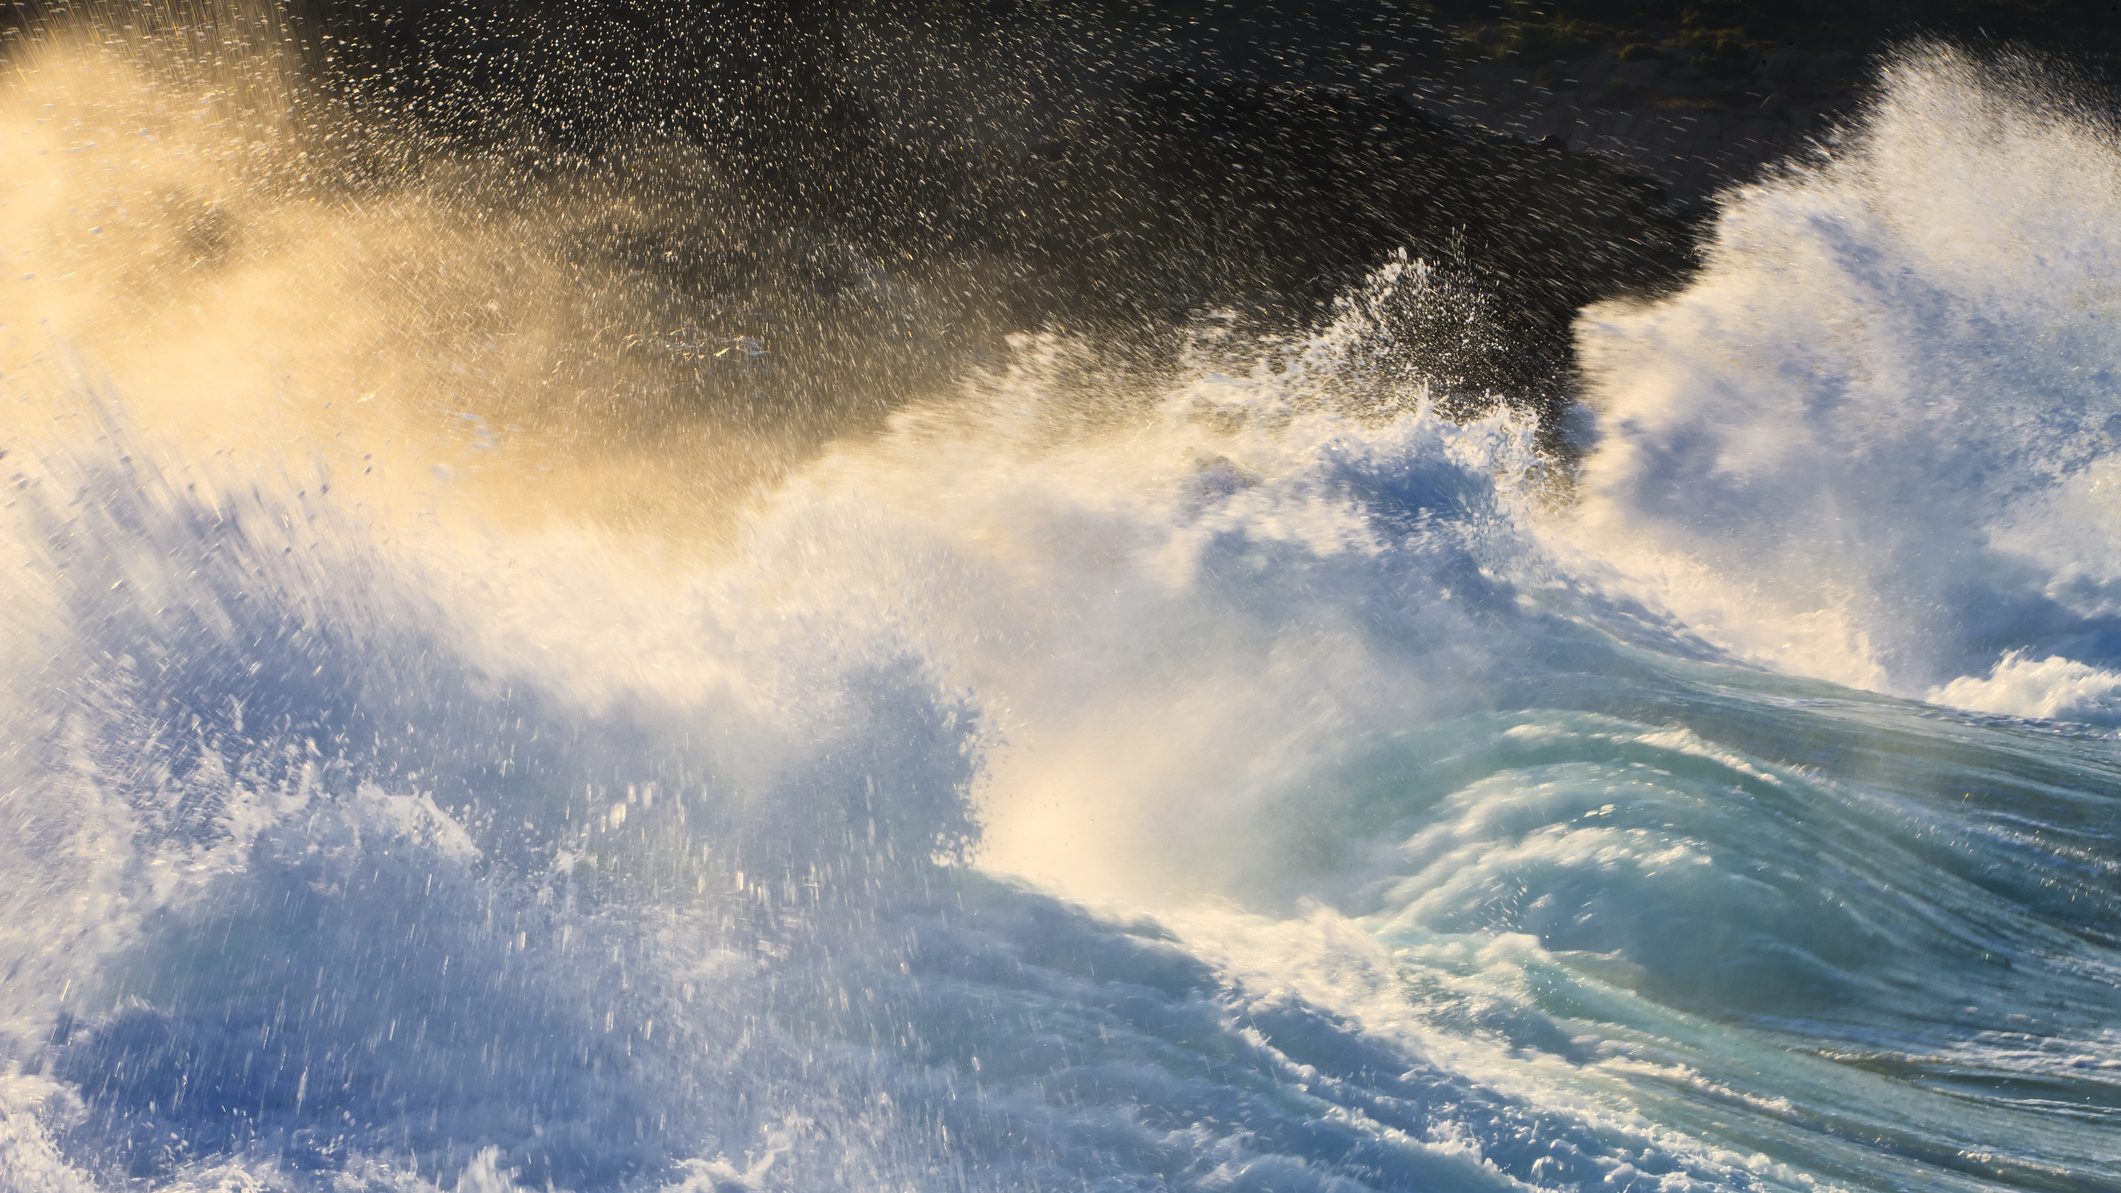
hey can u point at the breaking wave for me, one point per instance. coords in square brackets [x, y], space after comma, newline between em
[1875, 440]
[439, 757]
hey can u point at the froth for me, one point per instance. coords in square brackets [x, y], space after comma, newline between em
[1869, 442]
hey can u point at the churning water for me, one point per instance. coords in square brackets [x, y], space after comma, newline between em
[432, 760]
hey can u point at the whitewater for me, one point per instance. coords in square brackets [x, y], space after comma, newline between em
[430, 763]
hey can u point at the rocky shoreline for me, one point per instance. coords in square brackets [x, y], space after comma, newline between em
[1692, 131]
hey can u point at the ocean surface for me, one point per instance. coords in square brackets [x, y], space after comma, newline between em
[1228, 776]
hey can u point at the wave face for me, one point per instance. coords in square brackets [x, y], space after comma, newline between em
[434, 760]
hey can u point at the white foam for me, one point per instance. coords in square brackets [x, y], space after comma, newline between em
[2054, 687]
[1871, 441]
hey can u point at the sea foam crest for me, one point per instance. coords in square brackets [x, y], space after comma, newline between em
[1874, 440]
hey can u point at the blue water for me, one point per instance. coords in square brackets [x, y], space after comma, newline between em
[1253, 781]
